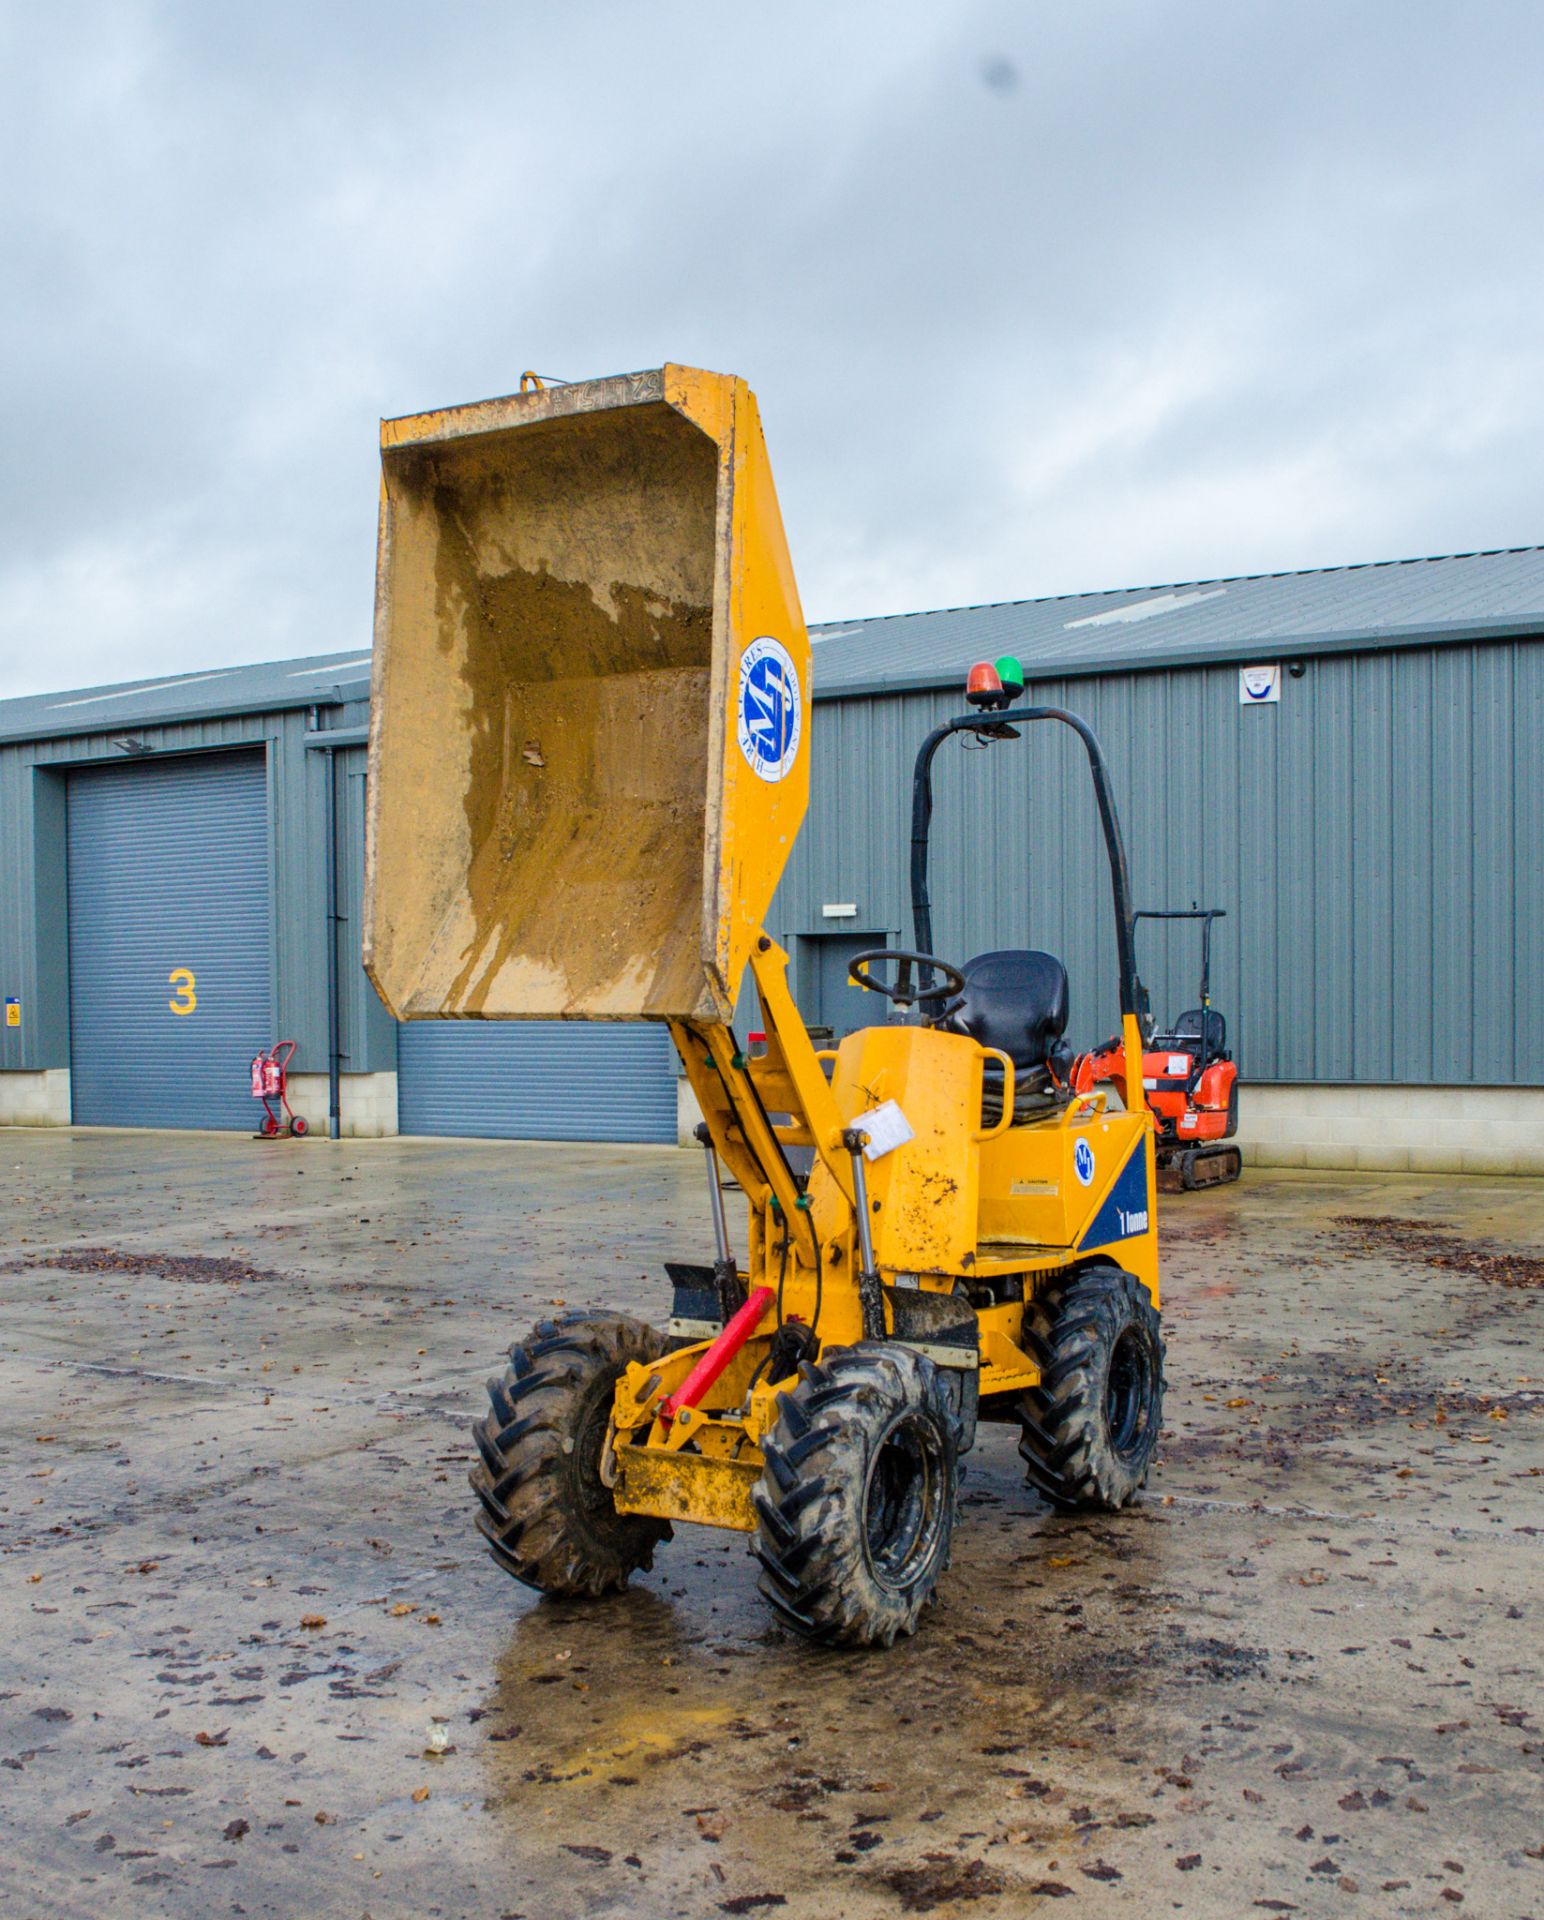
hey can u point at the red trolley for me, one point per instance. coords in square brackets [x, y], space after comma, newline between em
[270, 1083]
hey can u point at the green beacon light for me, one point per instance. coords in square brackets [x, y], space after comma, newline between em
[1010, 672]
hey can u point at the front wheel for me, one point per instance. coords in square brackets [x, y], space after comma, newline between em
[300, 1128]
[1091, 1426]
[855, 1506]
[546, 1514]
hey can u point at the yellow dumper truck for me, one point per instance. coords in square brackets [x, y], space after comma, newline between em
[589, 759]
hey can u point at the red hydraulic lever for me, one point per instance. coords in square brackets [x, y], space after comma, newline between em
[707, 1370]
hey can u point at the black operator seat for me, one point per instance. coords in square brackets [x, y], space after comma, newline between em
[1016, 1001]
[1188, 1029]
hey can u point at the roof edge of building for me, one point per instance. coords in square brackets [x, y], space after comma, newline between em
[1129, 660]
[332, 695]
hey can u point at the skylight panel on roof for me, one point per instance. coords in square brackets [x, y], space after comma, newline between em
[332, 666]
[150, 686]
[1143, 609]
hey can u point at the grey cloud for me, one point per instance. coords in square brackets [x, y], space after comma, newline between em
[1204, 289]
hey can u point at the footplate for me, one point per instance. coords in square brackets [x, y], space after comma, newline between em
[686, 1486]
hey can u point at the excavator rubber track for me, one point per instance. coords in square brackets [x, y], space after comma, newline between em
[1196, 1167]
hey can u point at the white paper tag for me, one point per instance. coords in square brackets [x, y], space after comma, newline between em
[887, 1128]
[1178, 1063]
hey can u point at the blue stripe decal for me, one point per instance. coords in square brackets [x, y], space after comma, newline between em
[1127, 1206]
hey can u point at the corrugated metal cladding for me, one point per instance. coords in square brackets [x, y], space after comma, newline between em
[1375, 838]
[537, 1080]
[170, 940]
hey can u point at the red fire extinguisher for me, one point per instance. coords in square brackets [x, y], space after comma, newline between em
[270, 1084]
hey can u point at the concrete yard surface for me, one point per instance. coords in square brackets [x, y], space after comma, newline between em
[255, 1660]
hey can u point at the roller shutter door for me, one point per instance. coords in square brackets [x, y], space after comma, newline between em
[170, 992]
[537, 1080]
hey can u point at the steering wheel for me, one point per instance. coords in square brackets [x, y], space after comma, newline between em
[900, 990]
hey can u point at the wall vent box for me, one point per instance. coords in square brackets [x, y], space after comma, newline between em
[839, 910]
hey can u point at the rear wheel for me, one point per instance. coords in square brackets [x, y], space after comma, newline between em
[299, 1127]
[1091, 1426]
[547, 1516]
[856, 1502]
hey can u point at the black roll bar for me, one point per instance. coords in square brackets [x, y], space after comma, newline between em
[1133, 996]
[1206, 915]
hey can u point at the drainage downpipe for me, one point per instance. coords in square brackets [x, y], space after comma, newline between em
[334, 1023]
[319, 739]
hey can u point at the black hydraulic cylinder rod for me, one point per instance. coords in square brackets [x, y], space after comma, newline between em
[1132, 998]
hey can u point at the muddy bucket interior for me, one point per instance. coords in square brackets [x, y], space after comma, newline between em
[562, 821]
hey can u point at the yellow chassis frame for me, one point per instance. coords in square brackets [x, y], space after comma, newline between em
[1028, 1183]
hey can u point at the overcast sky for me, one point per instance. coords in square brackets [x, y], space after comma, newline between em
[1035, 297]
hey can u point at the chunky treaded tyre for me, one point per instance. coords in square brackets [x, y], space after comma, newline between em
[546, 1515]
[1091, 1426]
[856, 1501]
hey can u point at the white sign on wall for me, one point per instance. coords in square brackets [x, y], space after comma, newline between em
[1258, 686]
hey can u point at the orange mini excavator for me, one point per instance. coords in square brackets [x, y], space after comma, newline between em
[1189, 1080]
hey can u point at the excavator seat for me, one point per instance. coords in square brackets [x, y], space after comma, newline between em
[1016, 1001]
[1188, 1029]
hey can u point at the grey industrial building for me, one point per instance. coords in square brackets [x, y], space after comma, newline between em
[181, 861]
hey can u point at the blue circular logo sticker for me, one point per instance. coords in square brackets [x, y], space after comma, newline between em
[1083, 1163]
[770, 708]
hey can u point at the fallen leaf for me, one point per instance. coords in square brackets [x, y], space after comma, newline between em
[313, 1620]
[420, 1794]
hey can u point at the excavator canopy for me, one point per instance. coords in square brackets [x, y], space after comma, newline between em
[589, 749]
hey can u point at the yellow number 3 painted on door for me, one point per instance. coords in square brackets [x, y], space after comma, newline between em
[185, 999]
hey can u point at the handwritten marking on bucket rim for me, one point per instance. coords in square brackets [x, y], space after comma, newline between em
[770, 709]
